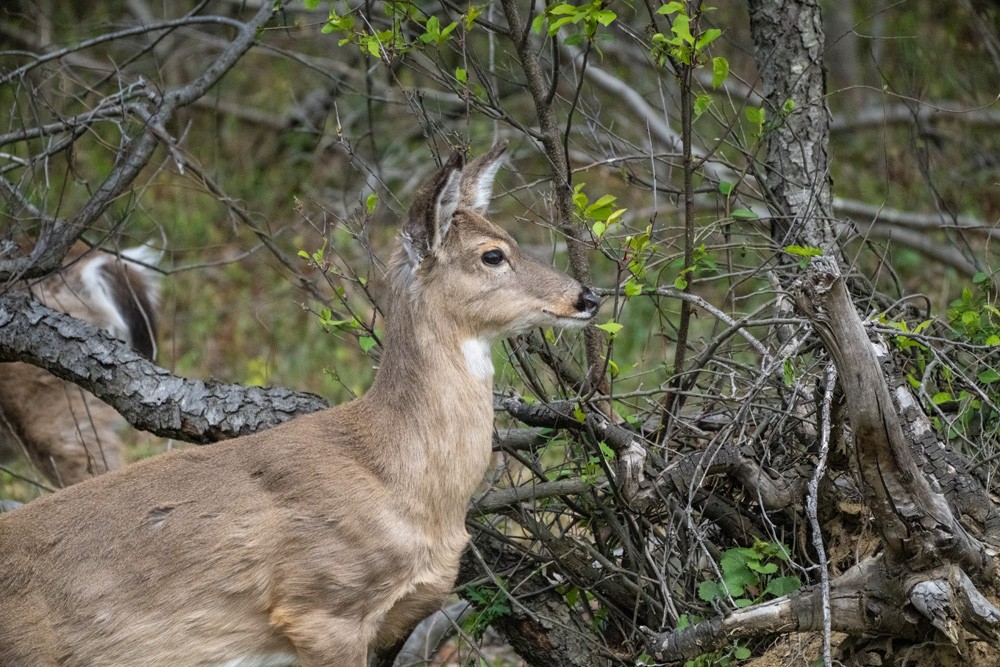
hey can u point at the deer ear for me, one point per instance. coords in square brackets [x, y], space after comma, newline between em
[477, 179]
[435, 203]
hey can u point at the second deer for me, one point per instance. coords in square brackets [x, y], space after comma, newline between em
[322, 539]
[67, 433]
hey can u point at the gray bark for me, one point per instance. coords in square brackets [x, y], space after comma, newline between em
[788, 47]
[149, 397]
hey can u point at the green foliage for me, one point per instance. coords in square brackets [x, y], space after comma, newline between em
[973, 315]
[684, 44]
[598, 215]
[725, 657]
[755, 119]
[391, 42]
[586, 17]
[804, 253]
[749, 575]
[963, 398]
[611, 327]
[491, 601]
[434, 33]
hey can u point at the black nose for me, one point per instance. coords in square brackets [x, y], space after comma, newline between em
[588, 301]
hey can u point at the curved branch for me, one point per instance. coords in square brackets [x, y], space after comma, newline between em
[149, 397]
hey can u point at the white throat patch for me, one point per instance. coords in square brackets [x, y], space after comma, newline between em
[477, 358]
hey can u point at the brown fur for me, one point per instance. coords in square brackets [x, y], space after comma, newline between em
[67, 433]
[316, 541]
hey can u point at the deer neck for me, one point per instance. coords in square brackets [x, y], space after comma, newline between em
[434, 392]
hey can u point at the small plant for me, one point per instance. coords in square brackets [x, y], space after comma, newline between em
[491, 602]
[973, 317]
[750, 575]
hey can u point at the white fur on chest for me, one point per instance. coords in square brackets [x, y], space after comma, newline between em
[477, 358]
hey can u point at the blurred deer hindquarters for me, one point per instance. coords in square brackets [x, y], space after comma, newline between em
[66, 432]
[319, 540]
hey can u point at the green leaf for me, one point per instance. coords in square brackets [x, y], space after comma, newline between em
[611, 327]
[633, 287]
[706, 38]
[461, 75]
[979, 278]
[742, 653]
[743, 214]
[783, 586]
[804, 251]
[564, 9]
[734, 588]
[725, 188]
[538, 23]
[789, 372]
[366, 343]
[615, 215]
[720, 70]
[989, 376]
[671, 8]
[471, 16]
[755, 116]
[737, 557]
[303, 254]
[604, 201]
[682, 28]
[371, 202]
[941, 397]
[709, 590]
[681, 283]
[598, 229]
[311, 4]
[605, 17]
[788, 107]
[701, 104]
[763, 568]
[371, 45]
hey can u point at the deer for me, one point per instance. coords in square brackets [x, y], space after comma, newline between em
[67, 433]
[320, 540]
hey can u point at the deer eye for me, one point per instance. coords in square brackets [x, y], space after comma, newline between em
[493, 257]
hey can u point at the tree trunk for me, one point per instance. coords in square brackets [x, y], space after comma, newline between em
[788, 47]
